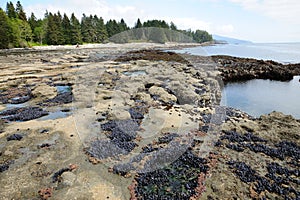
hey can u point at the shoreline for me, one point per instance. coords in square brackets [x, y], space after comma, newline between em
[166, 106]
[97, 46]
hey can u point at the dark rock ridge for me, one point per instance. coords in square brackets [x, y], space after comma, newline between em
[177, 181]
[241, 69]
[23, 114]
[152, 55]
[15, 95]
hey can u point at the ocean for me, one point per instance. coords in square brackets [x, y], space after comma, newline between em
[280, 52]
[258, 97]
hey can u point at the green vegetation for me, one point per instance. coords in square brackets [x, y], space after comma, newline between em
[16, 30]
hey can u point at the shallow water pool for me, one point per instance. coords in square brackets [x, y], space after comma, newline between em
[257, 97]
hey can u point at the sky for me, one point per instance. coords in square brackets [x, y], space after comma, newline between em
[253, 20]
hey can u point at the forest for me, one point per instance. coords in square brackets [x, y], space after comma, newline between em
[19, 31]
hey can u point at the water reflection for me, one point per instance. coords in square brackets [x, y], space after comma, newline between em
[258, 97]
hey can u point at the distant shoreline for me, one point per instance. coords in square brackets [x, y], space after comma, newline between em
[146, 45]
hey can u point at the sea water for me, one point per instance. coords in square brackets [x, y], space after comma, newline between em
[258, 97]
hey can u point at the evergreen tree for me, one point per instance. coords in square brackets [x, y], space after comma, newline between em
[39, 34]
[51, 31]
[66, 26]
[39, 27]
[123, 26]
[202, 36]
[156, 23]
[173, 26]
[75, 31]
[88, 29]
[20, 11]
[112, 28]
[25, 31]
[60, 31]
[32, 21]
[138, 24]
[101, 29]
[5, 30]
[10, 10]
[21, 33]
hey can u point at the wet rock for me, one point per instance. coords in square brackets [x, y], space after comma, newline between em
[149, 148]
[4, 167]
[256, 144]
[23, 114]
[152, 55]
[176, 181]
[273, 182]
[136, 114]
[241, 69]
[204, 128]
[62, 98]
[14, 137]
[243, 171]
[15, 95]
[122, 133]
[42, 131]
[102, 149]
[167, 138]
[57, 175]
[117, 128]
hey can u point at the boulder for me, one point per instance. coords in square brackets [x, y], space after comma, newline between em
[162, 94]
[44, 92]
[184, 93]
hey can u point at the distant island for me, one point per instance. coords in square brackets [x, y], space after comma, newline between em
[229, 40]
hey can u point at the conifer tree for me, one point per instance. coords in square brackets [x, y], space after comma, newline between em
[51, 31]
[10, 10]
[5, 30]
[112, 28]
[32, 21]
[138, 24]
[123, 26]
[20, 12]
[101, 29]
[88, 29]
[60, 31]
[75, 31]
[173, 26]
[66, 26]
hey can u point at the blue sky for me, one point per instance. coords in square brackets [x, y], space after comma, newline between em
[255, 20]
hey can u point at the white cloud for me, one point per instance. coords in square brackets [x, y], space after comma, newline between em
[189, 23]
[286, 11]
[94, 7]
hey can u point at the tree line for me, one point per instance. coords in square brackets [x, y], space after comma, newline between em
[16, 30]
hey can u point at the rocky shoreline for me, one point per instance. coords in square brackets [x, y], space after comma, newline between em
[242, 69]
[134, 122]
